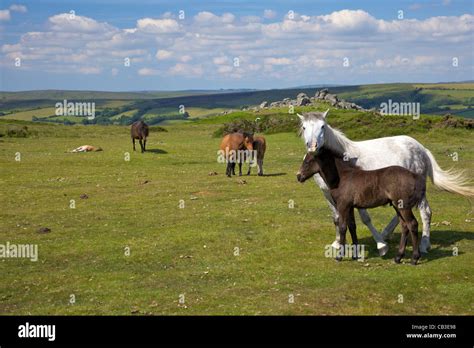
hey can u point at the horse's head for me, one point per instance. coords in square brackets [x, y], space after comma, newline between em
[308, 168]
[248, 141]
[313, 127]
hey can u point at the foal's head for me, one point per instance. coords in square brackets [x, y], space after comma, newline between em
[248, 141]
[308, 168]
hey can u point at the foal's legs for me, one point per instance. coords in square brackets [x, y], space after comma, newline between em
[260, 166]
[412, 226]
[228, 169]
[425, 212]
[144, 144]
[352, 231]
[344, 219]
[403, 241]
[409, 224]
[382, 246]
[141, 144]
[133, 141]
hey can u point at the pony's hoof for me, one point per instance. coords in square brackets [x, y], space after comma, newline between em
[414, 262]
[425, 244]
[336, 245]
[382, 248]
[397, 259]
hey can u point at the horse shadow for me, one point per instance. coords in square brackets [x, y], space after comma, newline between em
[442, 244]
[274, 174]
[157, 151]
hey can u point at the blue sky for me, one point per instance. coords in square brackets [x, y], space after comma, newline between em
[231, 44]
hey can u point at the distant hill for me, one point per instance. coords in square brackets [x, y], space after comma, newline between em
[87, 95]
[160, 106]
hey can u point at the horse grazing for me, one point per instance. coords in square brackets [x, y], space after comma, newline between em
[351, 187]
[259, 146]
[235, 147]
[378, 153]
[139, 131]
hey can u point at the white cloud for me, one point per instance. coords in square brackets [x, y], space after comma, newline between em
[66, 22]
[185, 58]
[221, 60]
[303, 48]
[224, 69]
[209, 18]
[5, 15]
[158, 26]
[163, 54]
[186, 70]
[148, 72]
[277, 61]
[90, 70]
[18, 8]
[269, 14]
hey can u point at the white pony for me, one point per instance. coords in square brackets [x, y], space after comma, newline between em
[378, 153]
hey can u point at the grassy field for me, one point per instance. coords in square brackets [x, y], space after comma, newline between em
[28, 115]
[233, 248]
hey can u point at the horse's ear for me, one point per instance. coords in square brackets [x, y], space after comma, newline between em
[325, 113]
[301, 117]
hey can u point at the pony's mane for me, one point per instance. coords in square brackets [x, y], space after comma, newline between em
[337, 141]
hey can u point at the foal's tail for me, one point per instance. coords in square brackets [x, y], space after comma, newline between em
[449, 180]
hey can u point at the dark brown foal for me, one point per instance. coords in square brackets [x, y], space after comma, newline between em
[352, 187]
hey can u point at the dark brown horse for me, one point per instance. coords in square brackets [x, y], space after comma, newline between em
[139, 131]
[235, 148]
[352, 187]
[259, 146]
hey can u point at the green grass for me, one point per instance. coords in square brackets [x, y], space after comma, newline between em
[190, 251]
[28, 115]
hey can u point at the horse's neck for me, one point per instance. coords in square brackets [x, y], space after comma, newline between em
[328, 168]
[339, 143]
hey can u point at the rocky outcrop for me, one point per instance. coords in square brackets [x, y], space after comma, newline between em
[323, 95]
[302, 100]
[264, 104]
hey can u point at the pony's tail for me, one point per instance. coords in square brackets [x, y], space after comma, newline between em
[449, 180]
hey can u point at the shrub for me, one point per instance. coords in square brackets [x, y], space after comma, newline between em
[267, 124]
[18, 131]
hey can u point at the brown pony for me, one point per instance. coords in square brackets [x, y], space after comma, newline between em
[139, 131]
[234, 147]
[352, 187]
[259, 145]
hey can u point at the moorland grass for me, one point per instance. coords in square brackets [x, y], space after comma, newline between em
[233, 248]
